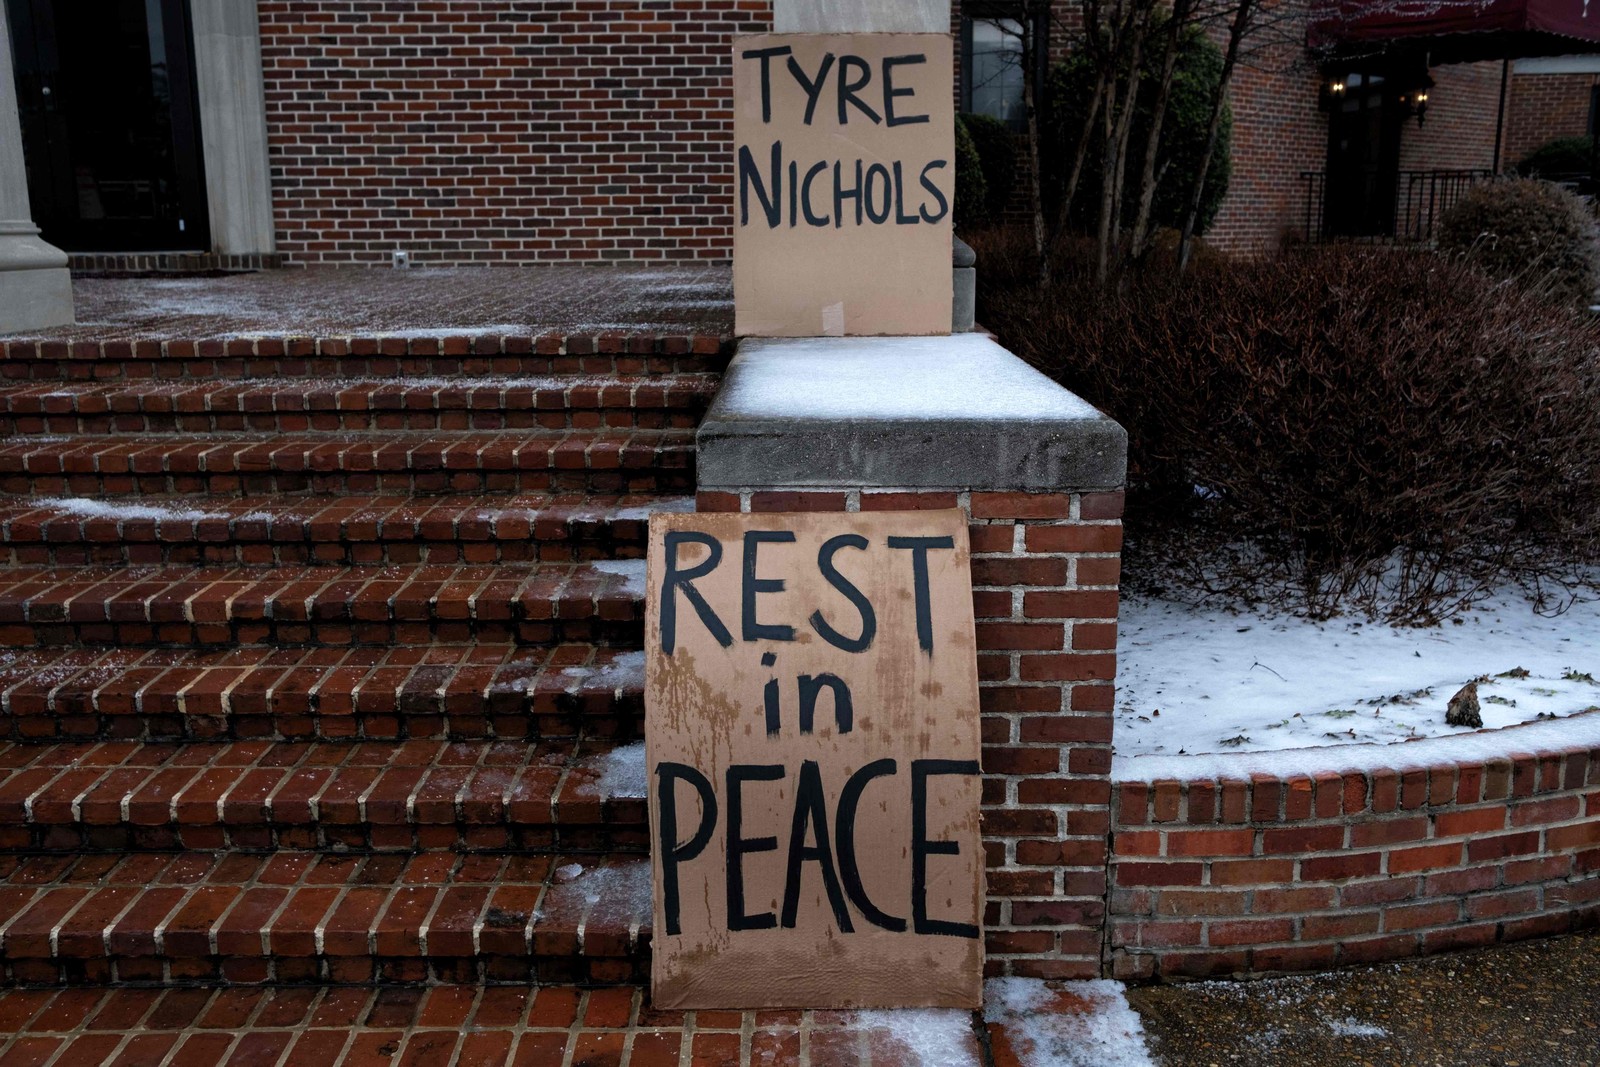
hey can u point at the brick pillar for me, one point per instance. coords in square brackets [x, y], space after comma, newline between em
[1043, 493]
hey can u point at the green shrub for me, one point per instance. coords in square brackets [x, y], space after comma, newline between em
[1183, 136]
[1531, 231]
[1327, 429]
[1558, 158]
[972, 193]
[998, 152]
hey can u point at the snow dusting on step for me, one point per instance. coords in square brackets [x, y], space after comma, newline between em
[631, 571]
[1074, 1024]
[622, 772]
[623, 671]
[923, 1037]
[101, 509]
[1194, 681]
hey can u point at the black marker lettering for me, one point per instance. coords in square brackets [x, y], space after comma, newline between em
[749, 175]
[812, 89]
[765, 56]
[676, 579]
[919, 547]
[922, 848]
[849, 867]
[890, 92]
[944, 205]
[671, 852]
[753, 630]
[869, 618]
[810, 811]
[879, 171]
[848, 87]
[844, 714]
[739, 846]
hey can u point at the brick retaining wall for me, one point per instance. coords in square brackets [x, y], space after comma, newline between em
[1232, 876]
[1045, 570]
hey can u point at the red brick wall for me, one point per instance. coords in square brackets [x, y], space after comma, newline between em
[1045, 571]
[1458, 130]
[1259, 875]
[482, 131]
[1278, 132]
[1543, 107]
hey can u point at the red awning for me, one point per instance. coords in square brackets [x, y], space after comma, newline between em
[1458, 30]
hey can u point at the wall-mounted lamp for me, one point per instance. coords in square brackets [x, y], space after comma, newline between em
[1333, 91]
[1416, 103]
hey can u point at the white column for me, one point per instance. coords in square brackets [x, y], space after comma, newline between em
[35, 288]
[861, 16]
[233, 125]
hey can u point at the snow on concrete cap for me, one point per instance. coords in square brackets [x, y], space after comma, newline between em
[906, 412]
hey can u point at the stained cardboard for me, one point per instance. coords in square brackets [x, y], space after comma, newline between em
[880, 264]
[787, 599]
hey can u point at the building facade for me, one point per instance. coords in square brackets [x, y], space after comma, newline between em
[343, 132]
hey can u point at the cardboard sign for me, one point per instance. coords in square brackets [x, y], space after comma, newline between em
[844, 179]
[811, 700]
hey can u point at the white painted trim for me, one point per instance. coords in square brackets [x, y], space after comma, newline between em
[233, 125]
[1558, 65]
[861, 16]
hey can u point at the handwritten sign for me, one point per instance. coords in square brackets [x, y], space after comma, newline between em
[844, 177]
[812, 745]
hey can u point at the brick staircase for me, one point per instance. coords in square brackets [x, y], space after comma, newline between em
[321, 662]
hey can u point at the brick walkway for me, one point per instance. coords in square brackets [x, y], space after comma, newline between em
[460, 1025]
[686, 300]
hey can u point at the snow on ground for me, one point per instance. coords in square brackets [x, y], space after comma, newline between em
[1191, 680]
[1078, 1024]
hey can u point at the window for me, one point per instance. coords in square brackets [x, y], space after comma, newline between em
[991, 63]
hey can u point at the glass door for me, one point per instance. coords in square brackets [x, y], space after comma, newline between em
[106, 97]
[1363, 159]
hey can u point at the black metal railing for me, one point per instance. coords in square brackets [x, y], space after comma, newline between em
[1359, 208]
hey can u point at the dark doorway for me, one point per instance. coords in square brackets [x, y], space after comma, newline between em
[1363, 158]
[106, 97]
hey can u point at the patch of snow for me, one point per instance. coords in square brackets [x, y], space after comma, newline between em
[1193, 680]
[960, 376]
[667, 505]
[622, 772]
[616, 893]
[630, 570]
[928, 1037]
[102, 509]
[1348, 1027]
[1046, 1031]
[568, 872]
[624, 671]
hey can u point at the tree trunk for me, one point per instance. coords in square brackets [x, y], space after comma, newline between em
[1236, 32]
[1138, 242]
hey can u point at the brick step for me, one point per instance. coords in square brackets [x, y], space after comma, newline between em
[126, 607]
[294, 917]
[290, 405]
[595, 461]
[498, 691]
[348, 357]
[466, 796]
[354, 530]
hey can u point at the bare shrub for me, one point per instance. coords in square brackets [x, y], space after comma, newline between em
[1329, 429]
[1530, 231]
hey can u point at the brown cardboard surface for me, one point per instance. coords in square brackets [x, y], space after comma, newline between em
[751, 628]
[889, 272]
